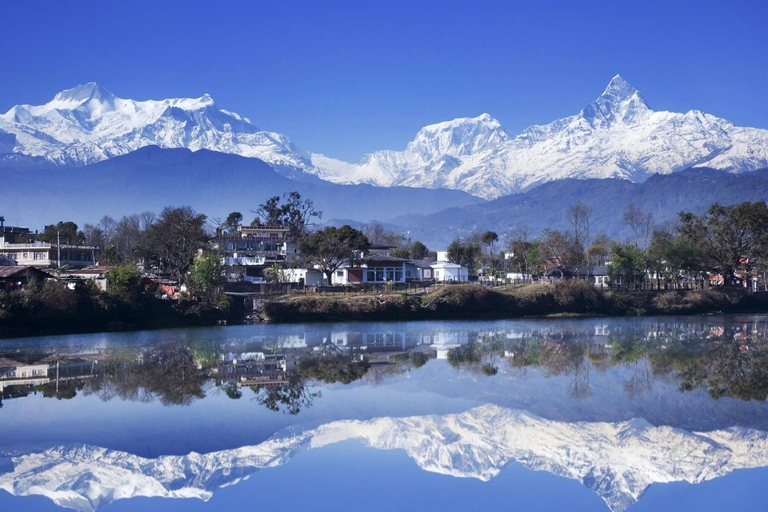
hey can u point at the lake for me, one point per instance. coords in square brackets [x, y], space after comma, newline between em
[547, 414]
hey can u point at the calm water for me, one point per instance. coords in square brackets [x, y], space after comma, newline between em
[594, 414]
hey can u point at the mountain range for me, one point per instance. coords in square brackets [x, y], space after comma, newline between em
[546, 206]
[212, 182]
[616, 136]
[618, 461]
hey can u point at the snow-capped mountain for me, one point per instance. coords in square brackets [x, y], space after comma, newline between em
[616, 136]
[616, 460]
[88, 124]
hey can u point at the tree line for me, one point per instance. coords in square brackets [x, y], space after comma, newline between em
[730, 242]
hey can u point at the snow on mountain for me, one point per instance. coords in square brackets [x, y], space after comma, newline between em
[88, 124]
[616, 460]
[616, 136]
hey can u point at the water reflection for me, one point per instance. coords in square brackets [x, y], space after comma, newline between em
[618, 461]
[618, 404]
[728, 359]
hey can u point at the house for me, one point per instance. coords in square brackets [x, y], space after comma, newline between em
[422, 270]
[12, 234]
[14, 373]
[15, 277]
[254, 249]
[446, 271]
[96, 274]
[303, 276]
[372, 269]
[597, 275]
[45, 255]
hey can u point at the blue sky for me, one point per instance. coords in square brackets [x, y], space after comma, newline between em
[345, 78]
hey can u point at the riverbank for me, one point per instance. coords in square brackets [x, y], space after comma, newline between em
[54, 309]
[465, 302]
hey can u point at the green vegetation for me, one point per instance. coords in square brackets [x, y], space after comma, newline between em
[51, 307]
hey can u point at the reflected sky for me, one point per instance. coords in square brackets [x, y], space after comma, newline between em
[156, 394]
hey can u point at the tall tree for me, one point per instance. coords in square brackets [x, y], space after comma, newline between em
[65, 231]
[639, 222]
[727, 237]
[176, 237]
[330, 247]
[560, 250]
[206, 276]
[579, 216]
[291, 211]
[232, 221]
[465, 253]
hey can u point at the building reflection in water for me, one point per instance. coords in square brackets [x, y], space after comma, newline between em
[725, 358]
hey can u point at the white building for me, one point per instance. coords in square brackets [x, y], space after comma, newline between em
[447, 271]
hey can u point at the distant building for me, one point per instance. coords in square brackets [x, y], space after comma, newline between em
[596, 275]
[372, 269]
[15, 244]
[256, 248]
[447, 271]
[14, 277]
[14, 373]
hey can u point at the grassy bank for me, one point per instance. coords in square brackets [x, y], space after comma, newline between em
[478, 302]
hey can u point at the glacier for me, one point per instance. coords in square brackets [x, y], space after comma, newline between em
[618, 461]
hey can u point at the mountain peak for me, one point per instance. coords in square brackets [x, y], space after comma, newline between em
[619, 102]
[618, 88]
[83, 93]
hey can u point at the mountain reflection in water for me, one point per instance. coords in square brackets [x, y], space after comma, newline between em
[617, 404]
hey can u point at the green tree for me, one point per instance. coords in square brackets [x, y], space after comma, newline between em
[206, 276]
[418, 251]
[627, 260]
[233, 220]
[727, 235]
[274, 274]
[123, 281]
[66, 231]
[330, 247]
[465, 253]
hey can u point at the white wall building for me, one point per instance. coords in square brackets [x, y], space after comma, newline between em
[447, 271]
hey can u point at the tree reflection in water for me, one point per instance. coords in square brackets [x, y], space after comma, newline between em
[727, 359]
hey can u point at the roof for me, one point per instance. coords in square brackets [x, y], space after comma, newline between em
[6, 272]
[446, 264]
[422, 263]
[93, 270]
[381, 257]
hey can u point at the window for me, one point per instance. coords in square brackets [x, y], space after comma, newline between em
[340, 273]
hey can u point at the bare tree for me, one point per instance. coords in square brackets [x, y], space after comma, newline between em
[560, 250]
[639, 221]
[579, 215]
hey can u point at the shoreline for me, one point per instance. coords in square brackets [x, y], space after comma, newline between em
[457, 302]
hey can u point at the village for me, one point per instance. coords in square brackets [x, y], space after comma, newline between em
[281, 252]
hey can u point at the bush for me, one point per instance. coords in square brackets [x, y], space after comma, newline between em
[575, 295]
